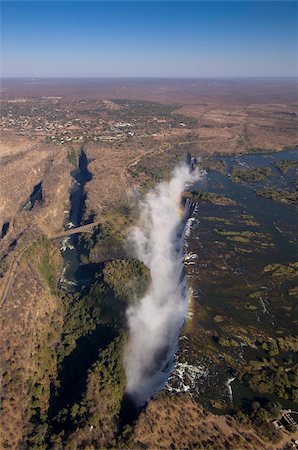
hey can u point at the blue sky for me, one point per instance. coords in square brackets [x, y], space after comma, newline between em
[148, 39]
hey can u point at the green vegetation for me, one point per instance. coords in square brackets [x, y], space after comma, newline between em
[279, 195]
[260, 414]
[154, 169]
[41, 380]
[256, 294]
[156, 115]
[40, 392]
[76, 392]
[280, 344]
[248, 220]
[82, 316]
[82, 340]
[272, 375]
[126, 211]
[155, 174]
[220, 220]
[129, 278]
[100, 404]
[148, 175]
[216, 165]
[227, 342]
[244, 236]
[249, 174]
[273, 379]
[280, 270]
[104, 244]
[90, 320]
[269, 375]
[48, 271]
[106, 383]
[120, 282]
[45, 256]
[73, 157]
[285, 165]
[33, 381]
[215, 199]
[293, 291]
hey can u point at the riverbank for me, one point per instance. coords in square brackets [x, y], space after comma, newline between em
[241, 326]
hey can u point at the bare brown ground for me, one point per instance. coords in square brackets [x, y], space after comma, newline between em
[230, 128]
[177, 422]
[185, 92]
[108, 165]
[232, 117]
[24, 164]
[26, 316]
[216, 133]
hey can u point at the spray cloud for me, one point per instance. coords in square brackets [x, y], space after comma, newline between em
[155, 321]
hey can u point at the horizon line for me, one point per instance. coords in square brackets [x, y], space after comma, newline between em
[211, 77]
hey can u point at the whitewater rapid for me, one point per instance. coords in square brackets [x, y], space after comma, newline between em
[155, 321]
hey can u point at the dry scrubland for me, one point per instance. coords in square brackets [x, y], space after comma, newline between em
[180, 423]
[253, 127]
[30, 320]
[231, 118]
[25, 163]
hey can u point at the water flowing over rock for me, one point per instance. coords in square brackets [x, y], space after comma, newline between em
[156, 320]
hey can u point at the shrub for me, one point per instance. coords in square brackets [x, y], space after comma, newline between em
[129, 278]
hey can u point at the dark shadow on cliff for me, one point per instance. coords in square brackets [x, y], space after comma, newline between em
[73, 373]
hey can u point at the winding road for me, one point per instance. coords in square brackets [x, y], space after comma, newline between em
[10, 276]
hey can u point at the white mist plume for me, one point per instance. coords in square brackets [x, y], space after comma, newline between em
[156, 320]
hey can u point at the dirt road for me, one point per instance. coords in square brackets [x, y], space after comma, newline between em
[11, 274]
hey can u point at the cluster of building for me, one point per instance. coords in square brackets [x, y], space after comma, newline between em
[63, 121]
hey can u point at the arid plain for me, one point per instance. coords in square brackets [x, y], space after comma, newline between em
[120, 125]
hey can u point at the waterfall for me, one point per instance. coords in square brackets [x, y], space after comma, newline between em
[230, 390]
[188, 208]
[155, 322]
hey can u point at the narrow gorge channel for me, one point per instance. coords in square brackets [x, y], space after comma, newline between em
[70, 250]
[154, 322]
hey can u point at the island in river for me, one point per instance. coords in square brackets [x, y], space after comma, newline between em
[64, 337]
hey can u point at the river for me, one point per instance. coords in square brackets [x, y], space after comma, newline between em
[70, 250]
[233, 299]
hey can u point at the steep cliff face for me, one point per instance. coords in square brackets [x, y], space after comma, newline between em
[30, 324]
[98, 413]
[56, 184]
[21, 171]
[25, 165]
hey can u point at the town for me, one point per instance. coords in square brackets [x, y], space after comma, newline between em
[62, 121]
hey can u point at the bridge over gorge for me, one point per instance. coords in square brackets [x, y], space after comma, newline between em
[87, 228]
